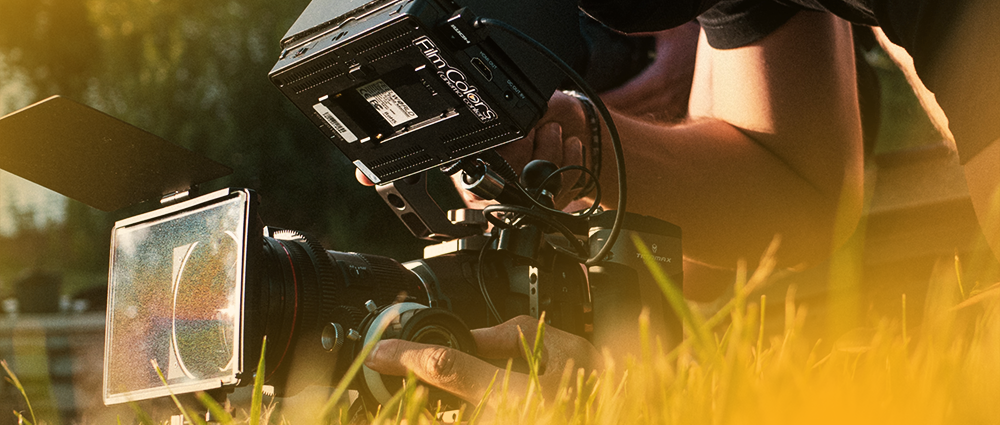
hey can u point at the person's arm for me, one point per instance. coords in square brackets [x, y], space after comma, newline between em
[775, 148]
[660, 93]
[772, 146]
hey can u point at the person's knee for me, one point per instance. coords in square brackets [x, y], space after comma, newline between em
[982, 173]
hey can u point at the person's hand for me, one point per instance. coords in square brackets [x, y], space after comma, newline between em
[564, 120]
[468, 377]
[556, 138]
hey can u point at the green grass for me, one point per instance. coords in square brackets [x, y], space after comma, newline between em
[737, 368]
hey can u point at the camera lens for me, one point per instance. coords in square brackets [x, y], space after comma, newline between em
[301, 290]
[438, 327]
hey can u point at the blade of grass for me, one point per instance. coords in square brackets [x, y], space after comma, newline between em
[958, 274]
[533, 357]
[674, 296]
[21, 419]
[257, 398]
[461, 414]
[218, 412]
[604, 407]
[399, 408]
[533, 353]
[140, 414]
[760, 333]
[437, 413]
[414, 401]
[394, 404]
[505, 386]
[594, 385]
[481, 407]
[345, 381]
[187, 416]
[17, 384]
[906, 340]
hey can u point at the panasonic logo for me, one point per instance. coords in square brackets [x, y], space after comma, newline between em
[456, 80]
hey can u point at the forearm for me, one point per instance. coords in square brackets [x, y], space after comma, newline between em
[729, 194]
[777, 150]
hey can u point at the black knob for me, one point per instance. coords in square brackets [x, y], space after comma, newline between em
[536, 172]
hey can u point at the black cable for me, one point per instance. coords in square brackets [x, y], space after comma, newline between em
[605, 114]
[582, 250]
[535, 204]
[597, 197]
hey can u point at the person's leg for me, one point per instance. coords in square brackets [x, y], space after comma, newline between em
[982, 173]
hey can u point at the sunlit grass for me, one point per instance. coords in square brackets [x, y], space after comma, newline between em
[743, 366]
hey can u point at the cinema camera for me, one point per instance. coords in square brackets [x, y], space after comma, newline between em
[401, 87]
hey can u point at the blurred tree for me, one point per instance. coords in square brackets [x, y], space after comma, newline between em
[195, 73]
[51, 40]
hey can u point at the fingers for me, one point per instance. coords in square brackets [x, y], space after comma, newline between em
[549, 143]
[556, 139]
[574, 155]
[504, 340]
[545, 142]
[469, 377]
[567, 111]
[519, 153]
[443, 367]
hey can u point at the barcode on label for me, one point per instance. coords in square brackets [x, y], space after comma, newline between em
[335, 123]
[387, 102]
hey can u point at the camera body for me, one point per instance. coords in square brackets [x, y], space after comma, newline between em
[194, 287]
[400, 86]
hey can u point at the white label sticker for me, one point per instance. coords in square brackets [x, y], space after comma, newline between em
[335, 123]
[387, 102]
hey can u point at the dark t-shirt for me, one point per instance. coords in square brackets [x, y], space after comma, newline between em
[955, 44]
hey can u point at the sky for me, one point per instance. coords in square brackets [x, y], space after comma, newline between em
[17, 194]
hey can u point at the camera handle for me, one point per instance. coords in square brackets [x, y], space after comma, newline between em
[409, 199]
[412, 203]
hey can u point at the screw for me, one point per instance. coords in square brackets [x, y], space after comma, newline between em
[332, 337]
[353, 335]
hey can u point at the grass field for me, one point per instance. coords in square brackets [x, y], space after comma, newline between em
[744, 366]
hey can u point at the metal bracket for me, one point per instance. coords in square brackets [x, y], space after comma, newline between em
[409, 199]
